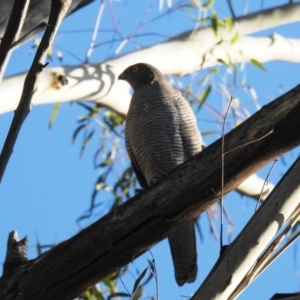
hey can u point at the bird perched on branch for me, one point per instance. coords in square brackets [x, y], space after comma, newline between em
[160, 134]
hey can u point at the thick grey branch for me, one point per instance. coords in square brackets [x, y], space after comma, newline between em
[132, 228]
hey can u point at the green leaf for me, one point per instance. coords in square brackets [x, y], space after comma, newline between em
[204, 96]
[213, 70]
[138, 294]
[54, 114]
[105, 163]
[78, 129]
[220, 60]
[214, 23]
[138, 281]
[114, 117]
[87, 295]
[229, 23]
[118, 295]
[257, 64]
[111, 284]
[209, 3]
[235, 38]
[86, 141]
[87, 107]
[96, 293]
[208, 133]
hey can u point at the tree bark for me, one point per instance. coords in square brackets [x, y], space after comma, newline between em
[183, 54]
[129, 230]
[12, 32]
[240, 258]
[58, 11]
[38, 12]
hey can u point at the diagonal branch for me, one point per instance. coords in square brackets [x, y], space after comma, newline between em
[182, 54]
[132, 228]
[244, 252]
[12, 32]
[58, 11]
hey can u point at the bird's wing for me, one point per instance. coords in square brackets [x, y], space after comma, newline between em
[183, 240]
[138, 173]
[189, 132]
[136, 168]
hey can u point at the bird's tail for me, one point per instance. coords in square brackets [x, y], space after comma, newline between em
[184, 252]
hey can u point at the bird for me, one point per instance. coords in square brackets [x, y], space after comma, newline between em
[161, 133]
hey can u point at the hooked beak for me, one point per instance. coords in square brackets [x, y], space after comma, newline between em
[122, 76]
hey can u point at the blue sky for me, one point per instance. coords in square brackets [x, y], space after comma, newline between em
[47, 185]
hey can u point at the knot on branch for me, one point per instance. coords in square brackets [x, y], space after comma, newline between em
[16, 254]
[59, 80]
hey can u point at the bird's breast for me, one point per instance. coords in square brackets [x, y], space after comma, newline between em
[153, 133]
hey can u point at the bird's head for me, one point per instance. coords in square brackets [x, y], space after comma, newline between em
[141, 74]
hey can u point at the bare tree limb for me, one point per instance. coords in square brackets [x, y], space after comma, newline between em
[58, 11]
[38, 12]
[244, 252]
[12, 31]
[95, 31]
[125, 233]
[97, 83]
[268, 18]
[180, 55]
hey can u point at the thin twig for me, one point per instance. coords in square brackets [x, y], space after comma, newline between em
[154, 273]
[230, 224]
[231, 9]
[13, 29]
[211, 223]
[123, 283]
[95, 32]
[265, 183]
[254, 141]
[136, 31]
[222, 175]
[58, 11]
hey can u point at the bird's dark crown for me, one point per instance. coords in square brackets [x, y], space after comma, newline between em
[141, 74]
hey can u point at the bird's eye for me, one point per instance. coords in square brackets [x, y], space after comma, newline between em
[134, 69]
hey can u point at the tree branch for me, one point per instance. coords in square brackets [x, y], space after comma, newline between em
[180, 55]
[58, 11]
[132, 228]
[231, 9]
[252, 187]
[12, 32]
[16, 254]
[38, 12]
[234, 265]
